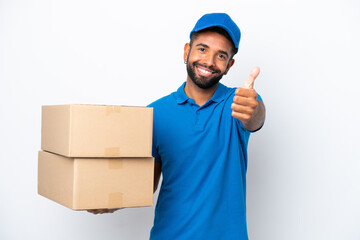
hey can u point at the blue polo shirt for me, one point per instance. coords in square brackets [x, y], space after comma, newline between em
[203, 151]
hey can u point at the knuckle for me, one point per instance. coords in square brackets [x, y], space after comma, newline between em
[241, 92]
[249, 111]
[255, 104]
[247, 117]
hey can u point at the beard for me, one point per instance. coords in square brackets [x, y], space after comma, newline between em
[201, 81]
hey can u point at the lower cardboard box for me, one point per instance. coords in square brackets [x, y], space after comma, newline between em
[96, 183]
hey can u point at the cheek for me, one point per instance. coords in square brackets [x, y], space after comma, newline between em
[228, 65]
[193, 56]
[222, 66]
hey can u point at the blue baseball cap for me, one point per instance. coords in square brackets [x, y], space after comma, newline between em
[221, 20]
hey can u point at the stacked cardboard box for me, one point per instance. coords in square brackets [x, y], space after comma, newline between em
[96, 157]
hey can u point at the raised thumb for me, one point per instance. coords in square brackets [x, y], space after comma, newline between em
[249, 83]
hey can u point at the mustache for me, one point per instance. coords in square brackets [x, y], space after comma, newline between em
[208, 67]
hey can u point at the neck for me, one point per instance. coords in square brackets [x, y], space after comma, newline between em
[200, 96]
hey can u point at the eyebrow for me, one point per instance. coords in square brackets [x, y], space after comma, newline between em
[202, 44]
[206, 46]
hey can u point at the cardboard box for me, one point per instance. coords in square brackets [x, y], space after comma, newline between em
[96, 183]
[97, 130]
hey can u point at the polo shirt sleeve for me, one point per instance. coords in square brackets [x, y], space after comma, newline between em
[155, 153]
[155, 141]
[259, 98]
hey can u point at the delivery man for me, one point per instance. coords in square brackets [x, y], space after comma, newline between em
[200, 139]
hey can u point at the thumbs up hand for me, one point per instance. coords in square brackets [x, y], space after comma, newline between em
[245, 100]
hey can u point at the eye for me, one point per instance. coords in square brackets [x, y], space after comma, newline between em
[222, 56]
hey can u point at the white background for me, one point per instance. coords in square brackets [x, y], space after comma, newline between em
[304, 169]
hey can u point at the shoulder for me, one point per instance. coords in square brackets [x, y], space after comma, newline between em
[164, 101]
[170, 100]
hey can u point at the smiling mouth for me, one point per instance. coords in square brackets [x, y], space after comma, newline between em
[204, 71]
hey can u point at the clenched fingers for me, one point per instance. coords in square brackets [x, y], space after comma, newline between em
[245, 101]
[101, 211]
[244, 104]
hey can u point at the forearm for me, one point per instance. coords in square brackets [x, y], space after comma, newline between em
[257, 118]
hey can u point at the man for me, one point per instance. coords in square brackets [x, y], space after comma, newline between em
[201, 133]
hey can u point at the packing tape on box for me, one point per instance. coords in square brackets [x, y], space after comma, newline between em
[115, 163]
[112, 109]
[115, 200]
[112, 152]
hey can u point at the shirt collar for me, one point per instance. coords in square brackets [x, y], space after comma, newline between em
[218, 96]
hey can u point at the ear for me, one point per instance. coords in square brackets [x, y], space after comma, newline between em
[231, 62]
[186, 51]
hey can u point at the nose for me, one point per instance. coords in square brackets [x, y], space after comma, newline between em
[210, 60]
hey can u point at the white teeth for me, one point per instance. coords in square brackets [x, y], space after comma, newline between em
[204, 71]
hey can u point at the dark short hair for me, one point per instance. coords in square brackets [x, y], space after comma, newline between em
[218, 30]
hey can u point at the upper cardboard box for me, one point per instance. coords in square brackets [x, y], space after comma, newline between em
[97, 130]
